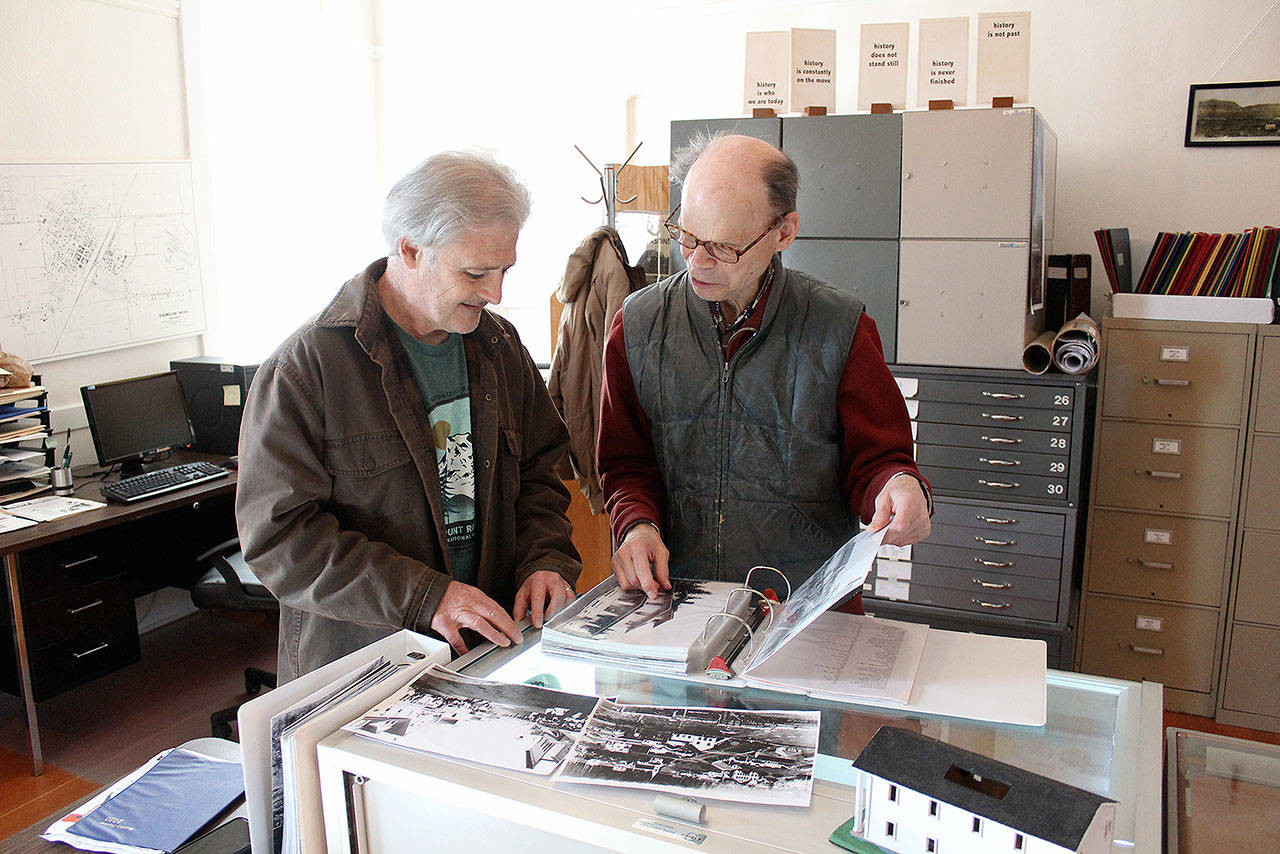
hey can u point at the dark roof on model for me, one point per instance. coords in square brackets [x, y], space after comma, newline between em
[1033, 804]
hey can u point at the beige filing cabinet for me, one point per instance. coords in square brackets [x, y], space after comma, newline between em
[1250, 685]
[1168, 455]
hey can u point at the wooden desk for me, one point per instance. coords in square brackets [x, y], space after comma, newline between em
[71, 583]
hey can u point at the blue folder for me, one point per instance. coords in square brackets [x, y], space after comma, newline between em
[165, 807]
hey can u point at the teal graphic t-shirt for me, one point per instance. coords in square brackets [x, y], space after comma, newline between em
[441, 374]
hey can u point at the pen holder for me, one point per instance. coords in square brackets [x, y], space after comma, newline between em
[62, 484]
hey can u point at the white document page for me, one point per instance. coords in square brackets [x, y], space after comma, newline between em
[50, 508]
[982, 677]
[846, 655]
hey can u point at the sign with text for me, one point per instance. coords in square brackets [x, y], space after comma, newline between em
[813, 69]
[882, 65]
[942, 70]
[1004, 56]
[768, 77]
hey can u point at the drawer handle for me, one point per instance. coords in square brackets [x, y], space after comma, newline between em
[989, 586]
[80, 562]
[999, 462]
[1003, 395]
[99, 648]
[995, 416]
[995, 605]
[1164, 381]
[994, 563]
[1145, 650]
[995, 521]
[987, 542]
[84, 607]
[1148, 564]
[995, 484]
[1167, 475]
[1001, 440]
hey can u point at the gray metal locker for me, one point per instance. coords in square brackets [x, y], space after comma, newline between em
[849, 173]
[868, 269]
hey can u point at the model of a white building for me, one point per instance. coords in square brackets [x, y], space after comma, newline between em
[918, 795]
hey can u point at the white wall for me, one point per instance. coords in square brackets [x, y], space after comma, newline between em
[93, 81]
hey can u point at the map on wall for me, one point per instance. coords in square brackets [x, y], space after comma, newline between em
[96, 256]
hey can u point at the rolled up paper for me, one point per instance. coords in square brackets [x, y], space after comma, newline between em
[1075, 347]
[1037, 356]
[681, 807]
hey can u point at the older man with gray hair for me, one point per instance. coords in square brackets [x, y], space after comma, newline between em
[398, 452]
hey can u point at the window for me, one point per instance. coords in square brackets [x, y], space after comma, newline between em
[1018, 843]
[933, 809]
[893, 793]
[930, 845]
[977, 824]
[890, 830]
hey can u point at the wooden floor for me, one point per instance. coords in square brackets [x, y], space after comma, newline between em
[97, 733]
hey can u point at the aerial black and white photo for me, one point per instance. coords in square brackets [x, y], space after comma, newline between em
[762, 757]
[521, 727]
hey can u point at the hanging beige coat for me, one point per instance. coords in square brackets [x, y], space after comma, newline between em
[596, 281]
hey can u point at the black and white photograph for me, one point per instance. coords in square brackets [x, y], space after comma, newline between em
[1234, 113]
[764, 757]
[520, 727]
[622, 613]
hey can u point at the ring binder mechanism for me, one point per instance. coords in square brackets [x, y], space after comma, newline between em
[728, 641]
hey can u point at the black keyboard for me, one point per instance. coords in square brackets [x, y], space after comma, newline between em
[161, 480]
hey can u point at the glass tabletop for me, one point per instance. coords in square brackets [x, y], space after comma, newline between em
[1092, 737]
[1223, 793]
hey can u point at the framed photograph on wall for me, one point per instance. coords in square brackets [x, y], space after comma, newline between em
[1234, 114]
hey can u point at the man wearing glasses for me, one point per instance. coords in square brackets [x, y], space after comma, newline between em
[747, 414]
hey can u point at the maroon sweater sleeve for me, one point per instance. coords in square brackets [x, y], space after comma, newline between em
[629, 477]
[876, 440]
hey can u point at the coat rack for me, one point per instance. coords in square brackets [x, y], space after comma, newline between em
[609, 185]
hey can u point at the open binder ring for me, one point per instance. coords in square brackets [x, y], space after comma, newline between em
[751, 591]
[747, 581]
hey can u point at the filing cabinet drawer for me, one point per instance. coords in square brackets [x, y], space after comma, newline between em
[970, 580]
[1262, 501]
[52, 569]
[992, 461]
[995, 415]
[1253, 671]
[1159, 557]
[996, 542]
[997, 518]
[977, 601]
[1175, 375]
[86, 656]
[68, 614]
[1167, 467]
[1258, 582]
[1267, 415]
[986, 393]
[1011, 485]
[992, 438]
[988, 560]
[1179, 655]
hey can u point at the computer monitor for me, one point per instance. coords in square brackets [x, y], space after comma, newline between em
[133, 419]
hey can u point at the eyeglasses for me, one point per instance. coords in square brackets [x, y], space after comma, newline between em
[720, 251]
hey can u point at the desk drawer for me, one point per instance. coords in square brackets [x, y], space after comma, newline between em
[984, 560]
[1178, 650]
[996, 542]
[994, 416]
[992, 438]
[973, 580]
[54, 569]
[68, 614]
[986, 392]
[1169, 468]
[1176, 375]
[1158, 557]
[992, 461]
[84, 657]
[1008, 484]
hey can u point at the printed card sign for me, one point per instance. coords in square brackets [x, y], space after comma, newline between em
[1004, 56]
[768, 74]
[882, 65]
[813, 69]
[942, 72]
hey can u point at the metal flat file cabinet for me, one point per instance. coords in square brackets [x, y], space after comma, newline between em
[1006, 454]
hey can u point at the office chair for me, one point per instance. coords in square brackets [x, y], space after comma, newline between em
[229, 584]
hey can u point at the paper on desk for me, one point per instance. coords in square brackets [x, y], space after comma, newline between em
[982, 677]
[13, 523]
[51, 507]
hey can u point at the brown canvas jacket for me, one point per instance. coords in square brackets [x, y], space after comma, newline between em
[338, 502]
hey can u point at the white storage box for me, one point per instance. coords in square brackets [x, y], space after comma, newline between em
[1174, 307]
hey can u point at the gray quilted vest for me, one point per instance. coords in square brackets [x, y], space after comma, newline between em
[750, 449]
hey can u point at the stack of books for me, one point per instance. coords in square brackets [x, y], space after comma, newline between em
[1217, 265]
